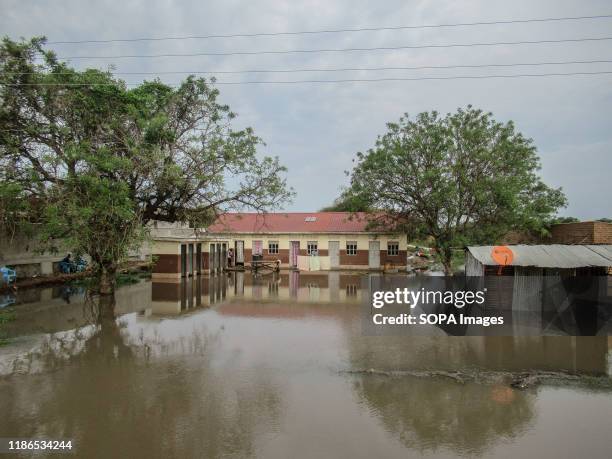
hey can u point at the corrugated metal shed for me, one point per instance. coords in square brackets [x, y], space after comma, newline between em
[550, 256]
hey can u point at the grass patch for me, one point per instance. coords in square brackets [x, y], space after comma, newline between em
[127, 278]
[7, 316]
[145, 274]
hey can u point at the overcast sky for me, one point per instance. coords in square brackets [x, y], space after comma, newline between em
[316, 129]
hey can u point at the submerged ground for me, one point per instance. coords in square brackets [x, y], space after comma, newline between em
[236, 366]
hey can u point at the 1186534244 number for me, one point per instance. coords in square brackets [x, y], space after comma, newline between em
[8, 445]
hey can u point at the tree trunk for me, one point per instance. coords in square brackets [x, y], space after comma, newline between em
[107, 279]
[446, 255]
[106, 309]
[448, 270]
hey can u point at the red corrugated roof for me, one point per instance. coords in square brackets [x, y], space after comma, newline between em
[290, 222]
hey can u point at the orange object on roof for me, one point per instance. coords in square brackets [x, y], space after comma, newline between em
[502, 255]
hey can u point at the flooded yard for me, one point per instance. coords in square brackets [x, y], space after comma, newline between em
[277, 367]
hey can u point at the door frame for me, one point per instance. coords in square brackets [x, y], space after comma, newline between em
[199, 257]
[190, 256]
[183, 260]
[237, 261]
[333, 256]
[212, 257]
[294, 252]
[376, 253]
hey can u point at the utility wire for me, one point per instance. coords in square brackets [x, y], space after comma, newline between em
[346, 69]
[339, 50]
[348, 80]
[344, 30]
[464, 77]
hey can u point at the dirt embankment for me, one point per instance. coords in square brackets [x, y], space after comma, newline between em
[61, 278]
[40, 281]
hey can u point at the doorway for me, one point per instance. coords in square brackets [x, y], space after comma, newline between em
[294, 251]
[334, 254]
[212, 258]
[190, 260]
[239, 253]
[199, 258]
[218, 259]
[183, 260]
[374, 255]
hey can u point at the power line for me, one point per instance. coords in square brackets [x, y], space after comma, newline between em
[348, 80]
[357, 80]
[344, 30]
[345, 69]
[338, 50]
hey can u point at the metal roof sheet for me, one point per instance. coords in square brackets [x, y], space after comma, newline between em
[550, 256]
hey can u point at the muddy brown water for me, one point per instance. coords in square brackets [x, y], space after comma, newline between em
[236, 366]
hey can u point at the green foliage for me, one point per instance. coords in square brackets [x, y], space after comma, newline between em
[461, 178]
[605, 220]
[13, 209]
[85, 160]
[93, 215]
[348, 202]
[558, 220]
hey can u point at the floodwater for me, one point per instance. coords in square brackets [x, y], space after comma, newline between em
[236, 366]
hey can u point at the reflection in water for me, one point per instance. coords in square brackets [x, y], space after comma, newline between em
[585, 354]
[174, 296]
[240, 366]
[110, 393]
[431, 414]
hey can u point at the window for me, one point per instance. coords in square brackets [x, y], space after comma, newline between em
[273, 247]
[392, 248]
[351, 290]
[351, 248]
[312, 248]
[257, 248]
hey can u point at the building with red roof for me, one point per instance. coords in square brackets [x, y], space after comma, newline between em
[307, 241]
[338, 240]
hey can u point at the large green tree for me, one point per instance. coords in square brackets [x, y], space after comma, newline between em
[461, 178]
[90, 161]
[348, 202]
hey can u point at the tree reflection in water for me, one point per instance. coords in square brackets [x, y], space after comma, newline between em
[214, 368]
[428, 414]
[116, 397]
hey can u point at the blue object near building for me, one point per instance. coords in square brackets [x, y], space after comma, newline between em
[81, 265]
[8, 275]
[68, 267]
[65, 267]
